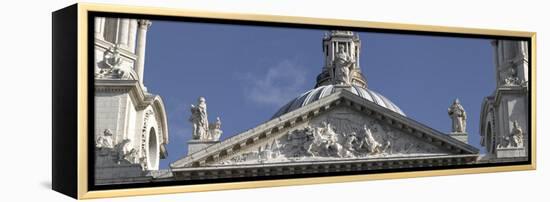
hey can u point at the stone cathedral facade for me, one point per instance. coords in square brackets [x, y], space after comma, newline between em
[338, 125]
[131, 129]
[504, 115]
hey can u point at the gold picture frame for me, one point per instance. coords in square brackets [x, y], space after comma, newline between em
[76, 18]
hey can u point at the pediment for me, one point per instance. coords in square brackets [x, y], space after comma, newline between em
[342, 126]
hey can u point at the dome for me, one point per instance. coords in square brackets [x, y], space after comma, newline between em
[323, 91]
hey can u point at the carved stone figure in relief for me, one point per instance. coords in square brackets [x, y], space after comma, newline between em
[126, 153]
[105, 140]
[325, 142]
[369, 143]
[350, 142]
[268, 151]
[342, 67]
[332, 145]
[317, 141]
[458, 116]
[199, 120]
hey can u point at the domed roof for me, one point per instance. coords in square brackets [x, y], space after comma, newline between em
[324, 91]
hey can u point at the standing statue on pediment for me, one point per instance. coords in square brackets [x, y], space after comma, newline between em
[458, 117]
[199, 119]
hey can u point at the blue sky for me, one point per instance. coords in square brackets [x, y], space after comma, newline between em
[247, 72]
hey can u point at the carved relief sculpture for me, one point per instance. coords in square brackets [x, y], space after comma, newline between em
[368, 142]
[458, 116]
[332, 140]
[325, 142]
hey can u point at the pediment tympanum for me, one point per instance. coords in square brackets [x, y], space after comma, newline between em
[340, 133]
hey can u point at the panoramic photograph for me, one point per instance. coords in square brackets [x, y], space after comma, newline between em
[200, 102]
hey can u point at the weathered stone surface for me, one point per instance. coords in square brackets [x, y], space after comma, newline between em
[463, 137]
[510, 152]
[196, 145]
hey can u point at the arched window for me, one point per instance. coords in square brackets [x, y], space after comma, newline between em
[153, 149]
[489, 140]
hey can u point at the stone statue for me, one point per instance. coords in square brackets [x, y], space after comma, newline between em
[342, 67]
[458, 116]
[143, 162]
[516, 136]
[510, 76]
[215, 130]
[105, 140]
[112, 57]
[199, 119]
[112, 66]
[126, 153]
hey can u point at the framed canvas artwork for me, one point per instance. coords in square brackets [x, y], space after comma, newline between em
[156, 100]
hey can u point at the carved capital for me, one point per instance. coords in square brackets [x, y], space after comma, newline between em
[144, 24]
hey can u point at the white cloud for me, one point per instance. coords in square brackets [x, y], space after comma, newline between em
[277, 86]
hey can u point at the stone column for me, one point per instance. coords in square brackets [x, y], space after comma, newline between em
[132, 36]
[97, 24]
[494, 44]
[357, 54]
[143, 25]
[99, 27]
[123, 32]
[524, 54]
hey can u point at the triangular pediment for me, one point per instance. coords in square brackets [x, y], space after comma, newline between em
[342, 126]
